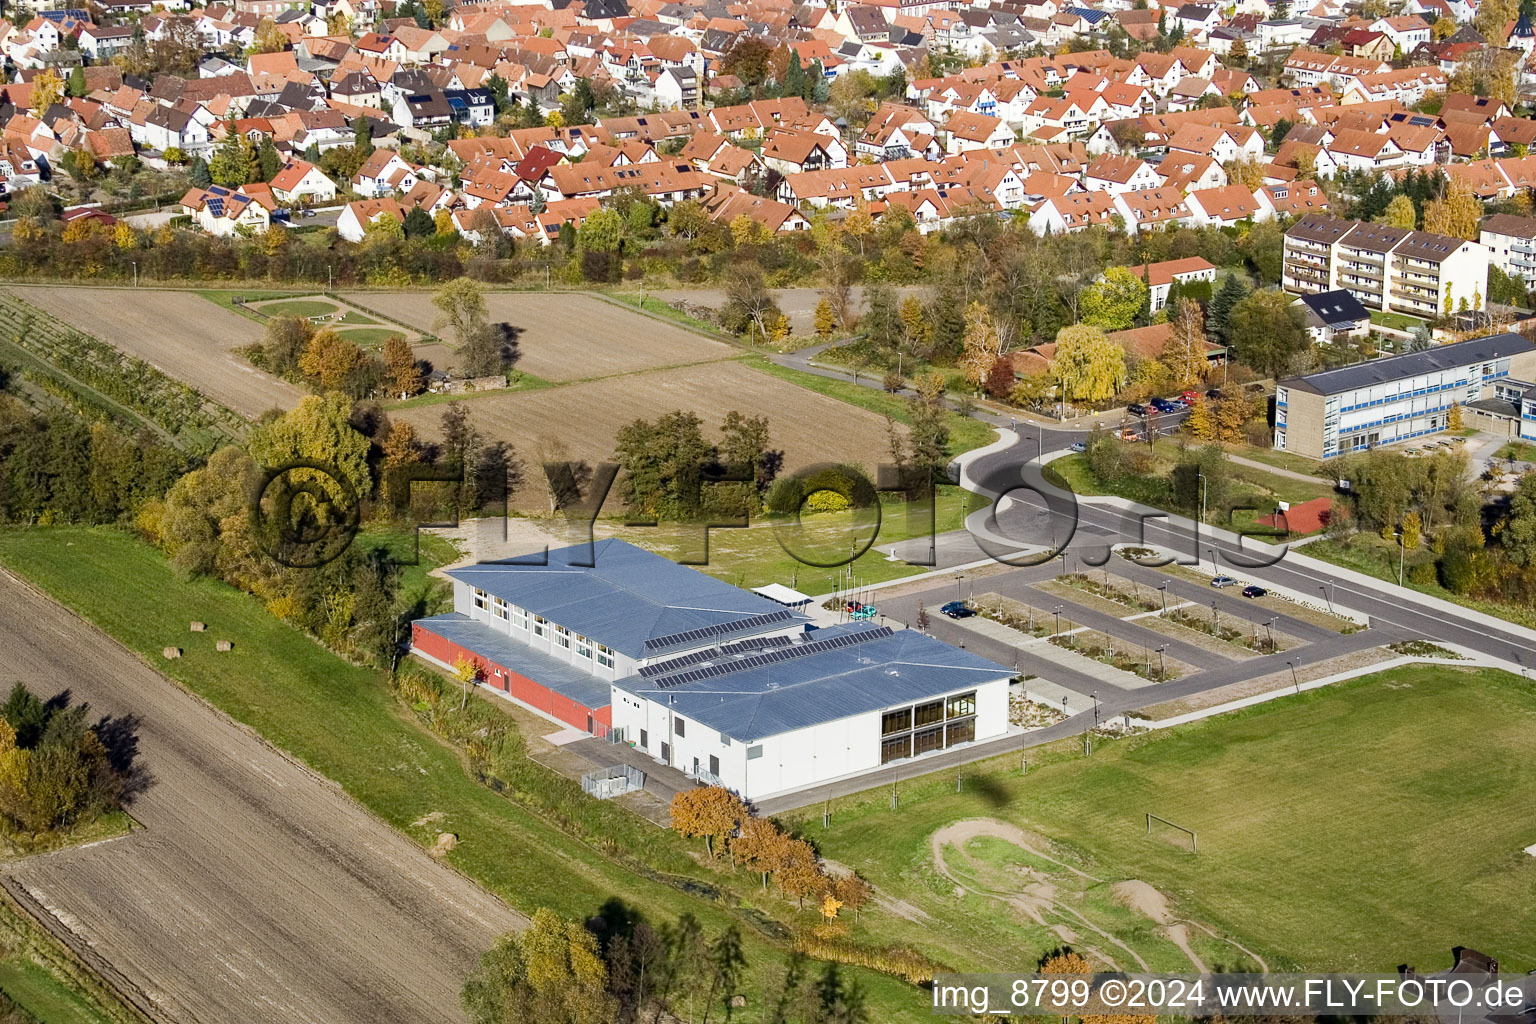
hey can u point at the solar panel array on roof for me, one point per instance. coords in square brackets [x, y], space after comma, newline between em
[722, 651]
[692, 636]
[779, 654]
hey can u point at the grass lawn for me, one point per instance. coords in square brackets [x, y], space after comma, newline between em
[299, 307]
[755, 556]
[1354, 827]
[39, 993]
[666, 311]
[342, 721]
[1249, 486]
[369, 337]
[1395, 321]
[965, 433]
[1520, 451]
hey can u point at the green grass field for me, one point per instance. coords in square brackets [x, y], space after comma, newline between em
[1356, 827]
[369, 337]
[342, 721]
[43, 996]
[755, 556]
[299, 307]
[965, 433]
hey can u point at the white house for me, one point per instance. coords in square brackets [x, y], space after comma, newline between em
[300, 181]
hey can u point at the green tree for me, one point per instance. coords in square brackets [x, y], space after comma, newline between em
[77, 85]
[318, 429]
[1518, 532]
[663, 465]
[1113, 301]
[602, 231]
[1217, 315]
[1091, 368]
[268, 161]
[1400, 213]
[234, 160]
[1265, 331]
[418, 223]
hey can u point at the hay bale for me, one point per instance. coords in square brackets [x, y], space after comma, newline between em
[171, 652]
[199, 627]
[224, 645]
[446, 841]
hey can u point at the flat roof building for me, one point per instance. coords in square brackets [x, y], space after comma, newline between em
[1381, 401]
[726, 685]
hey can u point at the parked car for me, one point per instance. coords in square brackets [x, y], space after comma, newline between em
[1130, 434]
[1163, 405]
[957, 610]
[1136, 409]
[1253, 591]
[1213, 393]
[1190, 397]
[1079, 446]
[1222, 582]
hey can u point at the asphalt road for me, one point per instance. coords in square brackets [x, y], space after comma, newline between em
[1039, 515]
[256, 891]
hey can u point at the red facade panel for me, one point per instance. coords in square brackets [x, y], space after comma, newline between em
[519, 687]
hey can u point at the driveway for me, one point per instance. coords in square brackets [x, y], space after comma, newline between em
[256, 890]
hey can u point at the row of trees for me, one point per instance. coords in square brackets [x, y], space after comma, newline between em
[55, 468]
[729, 828]
[238, 519]
[619, 969]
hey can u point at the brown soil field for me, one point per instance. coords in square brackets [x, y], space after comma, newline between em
[566, 336]
[579, 421]
[255, 890]
[178, 332]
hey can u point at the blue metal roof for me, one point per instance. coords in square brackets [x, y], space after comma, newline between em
[559, 676]
[627, 597]
[856, 669]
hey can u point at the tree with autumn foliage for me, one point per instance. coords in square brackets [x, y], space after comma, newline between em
[1091, 368]
[853, 892]
[1065, 961]
[798, 874]
[756, 846]
[1458, 213]
[405, 376]
[981, 344]
[709, 812]
[1184, 355]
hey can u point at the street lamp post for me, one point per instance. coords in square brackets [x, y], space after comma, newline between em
[1095, 696]
[1203, 489]
[1269, 627]
[1057, 612]
[1163, 587]
[1294, 680]
[135, 272]
[1402, 548]
[958, 577]
[1162, 665]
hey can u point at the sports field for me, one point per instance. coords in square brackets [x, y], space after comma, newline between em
[1356, 827]
[177, 332]
[567, 336]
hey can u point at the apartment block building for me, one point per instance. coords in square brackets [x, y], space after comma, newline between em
[1511, 244]
[1386, 268]
[1382, 401]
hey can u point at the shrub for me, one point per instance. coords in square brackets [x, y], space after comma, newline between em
[826, 501]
